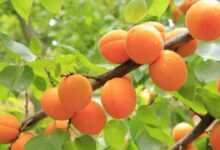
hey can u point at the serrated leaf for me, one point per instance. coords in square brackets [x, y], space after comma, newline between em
[135, 11]
[53, 6]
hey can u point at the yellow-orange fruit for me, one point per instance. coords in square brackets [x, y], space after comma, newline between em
[191, 147]
[52, 106]
[144, 44]
[187, 4]
[160, 27]
[215, 136]
[19, 144]
[113, 46]
[186, 49]
[203, 20]
[218, 85]
[118, 98]
[169, 72]
[63, 125]
[9, 128]
[90, 120]
[181, 130]
[75, 92]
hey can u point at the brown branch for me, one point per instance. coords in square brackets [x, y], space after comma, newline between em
[50, 78]
[26, 104]
[197, 131]
[119, 71]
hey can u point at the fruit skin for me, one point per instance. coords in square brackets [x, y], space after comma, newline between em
[63, 125]
[186, 49]
[160, 27]
[118, 98]
[144, 44]
[51, 105]
[214, 137]
[90, 120]
[218, 85]
[113, 46]
[9, 128]
[169, 72]
[181, 130]
[19, 144]
[203, 25]
[185, 6]
[191, 147]
[75, 92]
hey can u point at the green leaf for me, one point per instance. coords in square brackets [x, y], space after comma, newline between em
[16, 78]
[54, 6]
[17, 48]
[114, 134]
[40, 83]
[23, 9]
[202, 143]
[36, 46]
[157, 7]
[69, 145]
[135, 11]
[85, 142]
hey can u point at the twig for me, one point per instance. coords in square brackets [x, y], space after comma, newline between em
[197, 131]
[50, 77]
[26, 105]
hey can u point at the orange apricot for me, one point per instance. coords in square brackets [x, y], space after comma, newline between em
[215, 136]
[186, 49]
[118, 97]
[203, 20]
[185, 6]
[52, 106]
[19, 144]
[75, 92]
[128, 76]
[63, 125]
[144, 44]
[9, 128]
[113, 46]
[218, 85]
[90, 120]
[160, 27]
[169, 72]
[181, 130]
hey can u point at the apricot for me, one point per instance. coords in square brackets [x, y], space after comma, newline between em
[218, 85]
[19, 144]
[160, 27]
[118, 98]
[186, 49]
[75, 92]
[52, 106]
[9, 128]
[185, 6]
[144, 44]
[128, 76]
[90, 120]
[191, 147]
[169, 72]
[214, 137]
[181, 130]
[63, 125]
[203, 20]
[113, 46]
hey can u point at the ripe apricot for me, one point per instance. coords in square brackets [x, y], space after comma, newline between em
[186, 49]
[169, 72]
[52, 106]
[9, 128]
[160, 27]
[113, 46]
[218, 85]
[203, 20]
[19, 144]
[185, 6]
[90, 120]
[75, 92]
[144, 44]
[63, 125]
[118, 97]
[181, 130]
[214, 137]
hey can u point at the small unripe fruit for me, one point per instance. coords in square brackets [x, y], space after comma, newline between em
[169, 72]
[118, 97]
[186, 49]
[113, 46]
[203, 20]
[215, 136]
[181, 130]
[63, 125]
[9, 128]
[144, 44]
[19, 144]
[90, 120]
[75, 92]
[52, 106]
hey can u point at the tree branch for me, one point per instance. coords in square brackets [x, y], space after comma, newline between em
[197, 131]
[119, 71]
